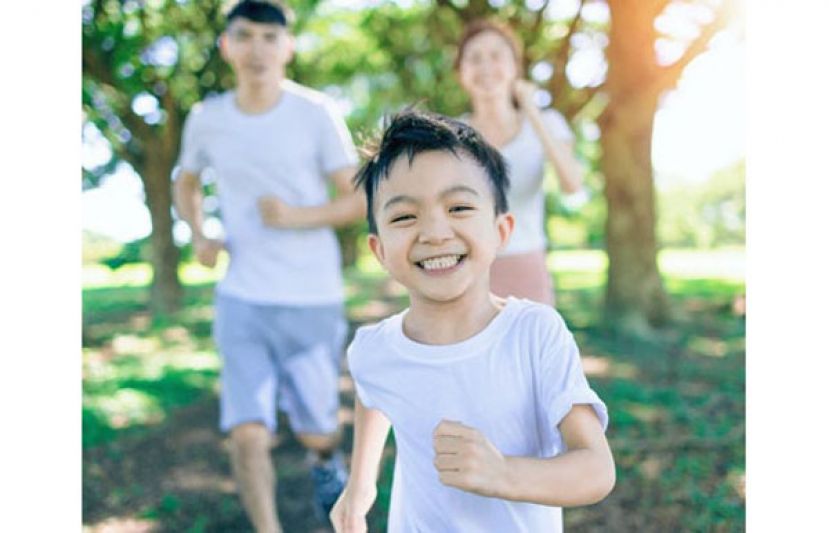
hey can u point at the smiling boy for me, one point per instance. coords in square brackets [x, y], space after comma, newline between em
[495, 424]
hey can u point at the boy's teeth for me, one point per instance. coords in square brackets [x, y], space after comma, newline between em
[436, 263]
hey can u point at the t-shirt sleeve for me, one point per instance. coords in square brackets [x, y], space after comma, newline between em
[562, 381]
[355, 356]
[192, 157]
[336, 146]
[557, 125]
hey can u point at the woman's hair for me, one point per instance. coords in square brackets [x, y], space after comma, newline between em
[482, 25]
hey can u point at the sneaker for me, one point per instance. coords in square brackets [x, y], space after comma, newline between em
[329, 479]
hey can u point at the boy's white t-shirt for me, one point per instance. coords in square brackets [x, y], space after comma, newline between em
[514, 381]
[525, 159]
[288, 151]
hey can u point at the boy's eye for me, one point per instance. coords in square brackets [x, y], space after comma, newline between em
[460, 208]
[401, 218]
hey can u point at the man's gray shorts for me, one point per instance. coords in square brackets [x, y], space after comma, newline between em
[285, 353]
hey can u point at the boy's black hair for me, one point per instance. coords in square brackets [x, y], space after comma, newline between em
[411, 132]
[264, 11]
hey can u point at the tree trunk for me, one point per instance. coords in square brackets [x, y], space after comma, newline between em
[166, 291]
[635, 296]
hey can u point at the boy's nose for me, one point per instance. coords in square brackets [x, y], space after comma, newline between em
[435, 229]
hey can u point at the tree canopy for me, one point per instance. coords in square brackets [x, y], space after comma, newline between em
[601, 63]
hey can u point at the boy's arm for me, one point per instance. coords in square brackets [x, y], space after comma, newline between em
[187, 195]
[583, 475]
[371, 428]
[348, 206]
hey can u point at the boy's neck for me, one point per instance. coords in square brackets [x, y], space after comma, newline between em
[258, 98]
[430, 322]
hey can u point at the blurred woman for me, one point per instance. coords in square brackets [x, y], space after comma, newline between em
[489, 64]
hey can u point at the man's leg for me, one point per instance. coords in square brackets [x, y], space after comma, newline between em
[253, 470]
[323, 446]
[312, 343]
[249, 383]
[328, 472]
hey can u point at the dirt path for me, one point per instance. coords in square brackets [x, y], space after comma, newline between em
[177, 478]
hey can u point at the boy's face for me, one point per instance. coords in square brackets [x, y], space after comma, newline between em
[437, 232]
[256, 52]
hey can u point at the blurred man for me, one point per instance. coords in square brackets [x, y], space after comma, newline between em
[274, 146]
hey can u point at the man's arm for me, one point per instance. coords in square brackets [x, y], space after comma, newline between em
[583, 475]
[348, 206]
[187, 196]
[371, 428]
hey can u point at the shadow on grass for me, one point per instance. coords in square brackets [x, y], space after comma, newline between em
[109, 311]
[128, 404]
[676, 408]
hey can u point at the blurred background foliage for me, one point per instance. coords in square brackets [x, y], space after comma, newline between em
[145, 63]
[153, 458]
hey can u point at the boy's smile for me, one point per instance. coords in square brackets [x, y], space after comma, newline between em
[437, 232]
[441, 264]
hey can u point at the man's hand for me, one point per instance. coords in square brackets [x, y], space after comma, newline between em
[277, 214]
[524, 92]
[349, 513]
[206, 250]
[466, 460]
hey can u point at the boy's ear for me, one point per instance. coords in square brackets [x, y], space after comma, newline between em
[376, 247]
[504, 223]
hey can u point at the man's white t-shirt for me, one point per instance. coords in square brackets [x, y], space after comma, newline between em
[288, 151]
[514, 381]
[525, 158]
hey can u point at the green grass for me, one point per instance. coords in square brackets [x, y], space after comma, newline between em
[725, 263]
[137, 369]
[676, 401]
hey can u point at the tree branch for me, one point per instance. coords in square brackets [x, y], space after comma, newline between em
[172, 128]
[94, 66]
[572, 110]
[658, 6]
[124, 154]
[450, 5]
[539, 17]
[532, 35]
[563, 55]
[670, 74]
[572, 29]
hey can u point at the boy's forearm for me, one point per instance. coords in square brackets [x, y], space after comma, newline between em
[577, 477]
[371, 428]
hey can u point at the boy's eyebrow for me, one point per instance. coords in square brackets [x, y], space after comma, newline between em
[403, 198]
[400, 198]
[459, 188]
